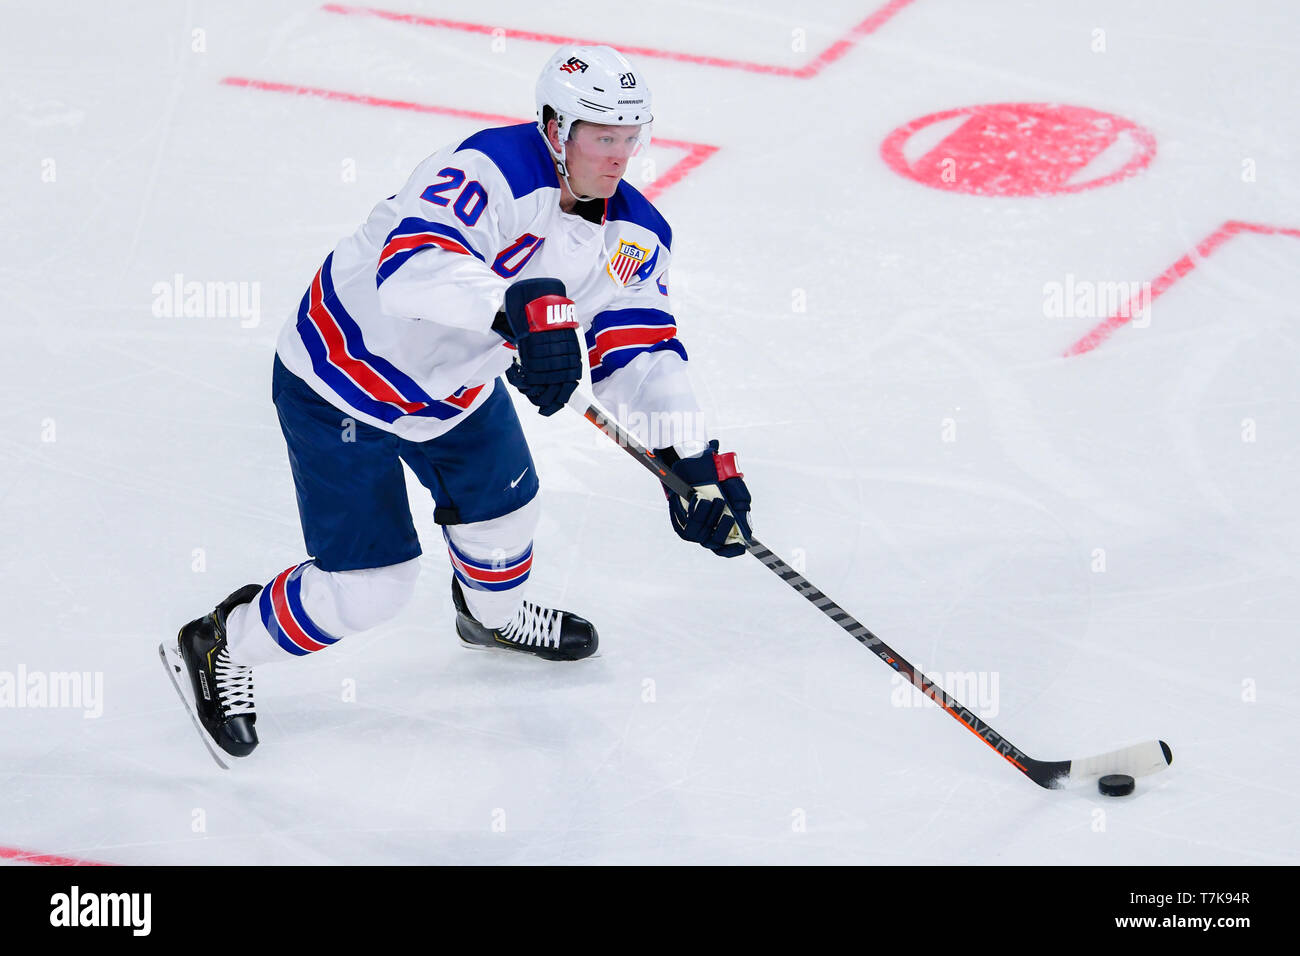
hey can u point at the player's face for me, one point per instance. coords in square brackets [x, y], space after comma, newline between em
[597, 156]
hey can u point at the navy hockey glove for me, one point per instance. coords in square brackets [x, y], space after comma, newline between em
[718, 516]
[539, 321]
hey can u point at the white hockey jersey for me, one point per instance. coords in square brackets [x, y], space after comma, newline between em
[396, 326]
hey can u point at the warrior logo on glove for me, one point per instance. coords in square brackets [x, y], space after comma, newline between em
[540, 321]
[562, 314]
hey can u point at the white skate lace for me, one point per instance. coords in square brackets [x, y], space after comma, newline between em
[235, 683]
[534, 625]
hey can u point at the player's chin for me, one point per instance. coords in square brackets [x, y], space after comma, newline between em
[608, 185]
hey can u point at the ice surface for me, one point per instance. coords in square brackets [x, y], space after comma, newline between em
[725, 720]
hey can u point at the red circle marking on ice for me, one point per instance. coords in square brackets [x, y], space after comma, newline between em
[1020, 149]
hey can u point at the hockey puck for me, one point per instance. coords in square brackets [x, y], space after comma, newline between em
[1116, 785]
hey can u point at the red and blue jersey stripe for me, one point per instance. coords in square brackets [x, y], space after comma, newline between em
[496, 576]
[285, 618]
[368, 382]
[618, 336]
[413, 235]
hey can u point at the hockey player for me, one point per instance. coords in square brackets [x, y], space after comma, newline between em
[492, 257]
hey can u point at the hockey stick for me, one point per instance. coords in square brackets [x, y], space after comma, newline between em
[1136, 761]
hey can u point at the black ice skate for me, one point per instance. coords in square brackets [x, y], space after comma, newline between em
[218, 693]
[541, 631]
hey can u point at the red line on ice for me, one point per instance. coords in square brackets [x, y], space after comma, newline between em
[44, 859]
[1204, 249]
[823, 59]
[696, 153]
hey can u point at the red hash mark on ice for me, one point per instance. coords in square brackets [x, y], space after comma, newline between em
[44, 859]
[1204, 249]
[818, 63]
[696, 153]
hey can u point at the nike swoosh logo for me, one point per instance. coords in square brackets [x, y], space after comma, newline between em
[520, 478]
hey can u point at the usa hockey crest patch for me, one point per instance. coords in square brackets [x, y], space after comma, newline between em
[624, 263]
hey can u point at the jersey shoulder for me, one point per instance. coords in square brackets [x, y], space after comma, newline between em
[628, 205]
[519, 154]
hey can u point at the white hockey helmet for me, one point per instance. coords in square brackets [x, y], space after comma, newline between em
[596, 84]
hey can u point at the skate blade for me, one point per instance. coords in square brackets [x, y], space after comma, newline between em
[471, 646]
[175, 667]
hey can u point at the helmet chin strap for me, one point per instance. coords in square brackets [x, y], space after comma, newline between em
[562, 167]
